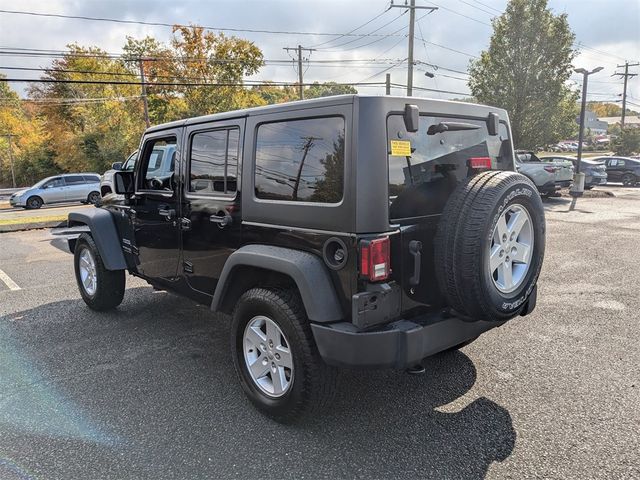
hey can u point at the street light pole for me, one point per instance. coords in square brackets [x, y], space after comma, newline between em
[578, 181]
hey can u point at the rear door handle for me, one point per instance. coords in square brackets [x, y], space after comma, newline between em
[167, 213]
[221, 220]
[415, 249]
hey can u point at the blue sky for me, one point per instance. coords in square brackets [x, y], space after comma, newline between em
[608, 29]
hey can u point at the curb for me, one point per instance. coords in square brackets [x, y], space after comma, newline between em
[32, 226]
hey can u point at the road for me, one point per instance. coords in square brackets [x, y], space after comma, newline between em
[149, 391]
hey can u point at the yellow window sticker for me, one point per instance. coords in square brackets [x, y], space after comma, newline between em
[401, 148]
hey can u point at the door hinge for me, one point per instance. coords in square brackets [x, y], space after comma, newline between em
[187, 267]
[185, 224]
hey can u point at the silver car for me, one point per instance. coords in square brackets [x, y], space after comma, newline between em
[71, 187]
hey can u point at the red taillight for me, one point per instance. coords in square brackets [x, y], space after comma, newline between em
[480, 163]
[550, 169]
[375, 262]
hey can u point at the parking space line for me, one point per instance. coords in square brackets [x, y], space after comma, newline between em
[8, 282]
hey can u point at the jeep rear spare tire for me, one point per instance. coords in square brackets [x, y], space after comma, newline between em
[490, 245]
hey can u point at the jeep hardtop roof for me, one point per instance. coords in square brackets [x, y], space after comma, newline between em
[386, 102]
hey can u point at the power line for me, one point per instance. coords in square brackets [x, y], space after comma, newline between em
[171, 25]
[350, 32]
[461, 14]
[176, 84]
[499, 12]
[369, 34]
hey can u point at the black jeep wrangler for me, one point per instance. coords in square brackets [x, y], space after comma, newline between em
[349, 231]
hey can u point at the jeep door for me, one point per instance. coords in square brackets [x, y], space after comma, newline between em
[211, 206]
[154, 209]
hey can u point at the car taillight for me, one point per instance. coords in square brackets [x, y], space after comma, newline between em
[375, 262]
[480, 163]
[550, 169]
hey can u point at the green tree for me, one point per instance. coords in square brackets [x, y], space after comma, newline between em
[525, 71]
[628, 142]
[327, 89]
[91, 125]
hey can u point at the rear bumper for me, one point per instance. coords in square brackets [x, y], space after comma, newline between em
[549, 187]
[399, 345]
[563, 183]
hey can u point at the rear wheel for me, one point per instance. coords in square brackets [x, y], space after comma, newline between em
[101, 289]
[629, 180]
[34, 202]
[490, 245]
[275, 356]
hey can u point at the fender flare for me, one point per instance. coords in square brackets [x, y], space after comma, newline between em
[305, 269]
[104, 233]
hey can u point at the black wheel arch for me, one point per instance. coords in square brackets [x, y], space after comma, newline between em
[254, 265]
[100, 224]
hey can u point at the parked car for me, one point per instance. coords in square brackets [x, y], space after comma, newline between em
[106, 181]
[548, 178]
[595, 172]
[72, 187]
[621, 169]
[346, 231]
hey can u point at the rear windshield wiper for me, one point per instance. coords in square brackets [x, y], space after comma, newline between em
[450, 127]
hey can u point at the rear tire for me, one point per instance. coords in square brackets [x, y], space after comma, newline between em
[101, 289]
[629, 180]
[33, 203]
[269, 322]
[489, 246]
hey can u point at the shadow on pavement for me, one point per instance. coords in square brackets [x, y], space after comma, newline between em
[148, 391]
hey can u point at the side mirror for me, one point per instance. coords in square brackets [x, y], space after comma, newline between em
[493, 124]
[411, 117]
[116, 166]
[124, 183]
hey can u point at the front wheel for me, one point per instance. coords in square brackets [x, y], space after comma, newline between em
[34, 203]
[275, 356]
[93, 198]
[629, 180]
[101, 289]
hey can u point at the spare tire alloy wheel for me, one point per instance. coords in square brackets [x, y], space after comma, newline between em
[490, 245]
[267, 356]
[509, 256]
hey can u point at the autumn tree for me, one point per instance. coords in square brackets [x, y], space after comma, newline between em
[525, 71]
[203, 56]
[32, 158]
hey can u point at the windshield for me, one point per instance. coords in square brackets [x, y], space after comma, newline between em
[42, 182]
[437, 161]
[130, 163]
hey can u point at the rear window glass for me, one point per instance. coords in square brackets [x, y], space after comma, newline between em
[214, 161]
[300, 160]
[421, 182]
[92, 178]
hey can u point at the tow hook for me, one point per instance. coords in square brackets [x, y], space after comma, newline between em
[415, 369]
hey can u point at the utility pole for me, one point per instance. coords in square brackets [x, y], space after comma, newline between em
[412, 20]
[626, 76]
[388, 84]
[13, 173]
[306, 147]
[299, 50]
[144, 93]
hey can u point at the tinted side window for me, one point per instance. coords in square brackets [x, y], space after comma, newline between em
[92, 178]
[54, 182]
[158, 165]
[74, 180]
[214, 161]
[300, 160]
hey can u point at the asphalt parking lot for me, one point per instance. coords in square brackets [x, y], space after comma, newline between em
[149, 392]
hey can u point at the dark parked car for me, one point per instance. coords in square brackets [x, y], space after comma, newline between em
[595, 173]
[621, 169]
[344, 231]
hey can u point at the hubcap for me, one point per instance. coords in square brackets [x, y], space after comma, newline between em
[511, 248]
[88, 276]
[267, 356]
